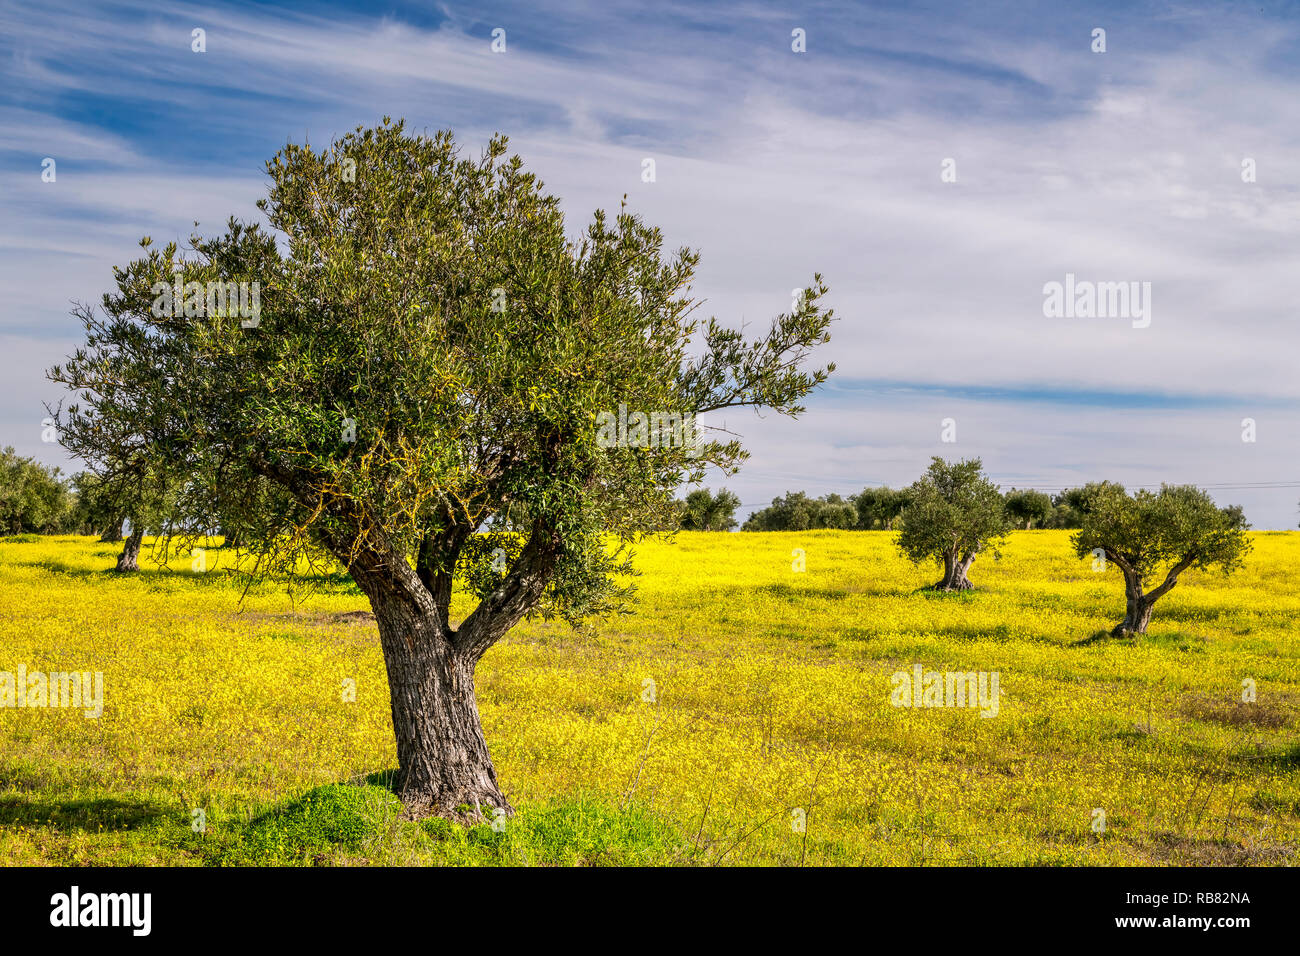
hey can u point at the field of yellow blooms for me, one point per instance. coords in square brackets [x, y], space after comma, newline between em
[742, 715]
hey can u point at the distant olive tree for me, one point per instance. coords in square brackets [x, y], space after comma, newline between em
[795, 511]
[879, 507]
[1028, 508]
[705, 511]
[125, 493]
[96, 512]
[835, 513]
[152, 505]
[953, 513]
[1070, 506]
[1154, 537]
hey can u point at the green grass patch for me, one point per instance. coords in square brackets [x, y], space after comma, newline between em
[340, 824]
[321, 821]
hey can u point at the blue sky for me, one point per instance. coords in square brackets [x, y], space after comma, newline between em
[1117, 166]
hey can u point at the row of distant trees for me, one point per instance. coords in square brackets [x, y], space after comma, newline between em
[873, 509]
[954, 513]
[39, 499]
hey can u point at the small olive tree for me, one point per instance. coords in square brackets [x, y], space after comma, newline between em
[953, 513]
[879, 506]
[705, 511]
[423, 383]
[121, 487]
[148, 503]
[1156, 536]
[1027, 507]
[797, 512]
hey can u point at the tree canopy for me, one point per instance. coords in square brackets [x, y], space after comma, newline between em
[422, 381]
[1029, 508]
[1156, 536]
[705, 511]
[796, 511]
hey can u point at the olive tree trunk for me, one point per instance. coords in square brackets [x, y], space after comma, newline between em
[113, 533]
[955, 568]
[129, 559]
[444, 766]
[442, 756]
[1138, 606]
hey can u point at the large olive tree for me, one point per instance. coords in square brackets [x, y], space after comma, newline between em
[1153, 537]
[444, 387]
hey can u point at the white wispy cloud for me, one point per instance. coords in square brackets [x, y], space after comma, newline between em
[1116, 166]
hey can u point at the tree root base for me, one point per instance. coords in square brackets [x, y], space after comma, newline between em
[1121, 631]
[462, 810]
[950, 588]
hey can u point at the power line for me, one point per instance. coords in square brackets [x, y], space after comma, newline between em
[1249, 486]
[823, 479]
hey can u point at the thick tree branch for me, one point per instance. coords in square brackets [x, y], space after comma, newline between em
[522, 588]
[1171, 578]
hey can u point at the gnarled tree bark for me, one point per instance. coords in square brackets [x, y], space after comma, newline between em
[129, 559]
[443, 758]
[1138, 611]
[444, 765]
[955, 568]
[1140, 603]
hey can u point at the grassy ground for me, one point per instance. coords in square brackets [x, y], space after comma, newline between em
[769, 703]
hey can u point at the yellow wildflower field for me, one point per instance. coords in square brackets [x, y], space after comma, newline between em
[747, 706]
